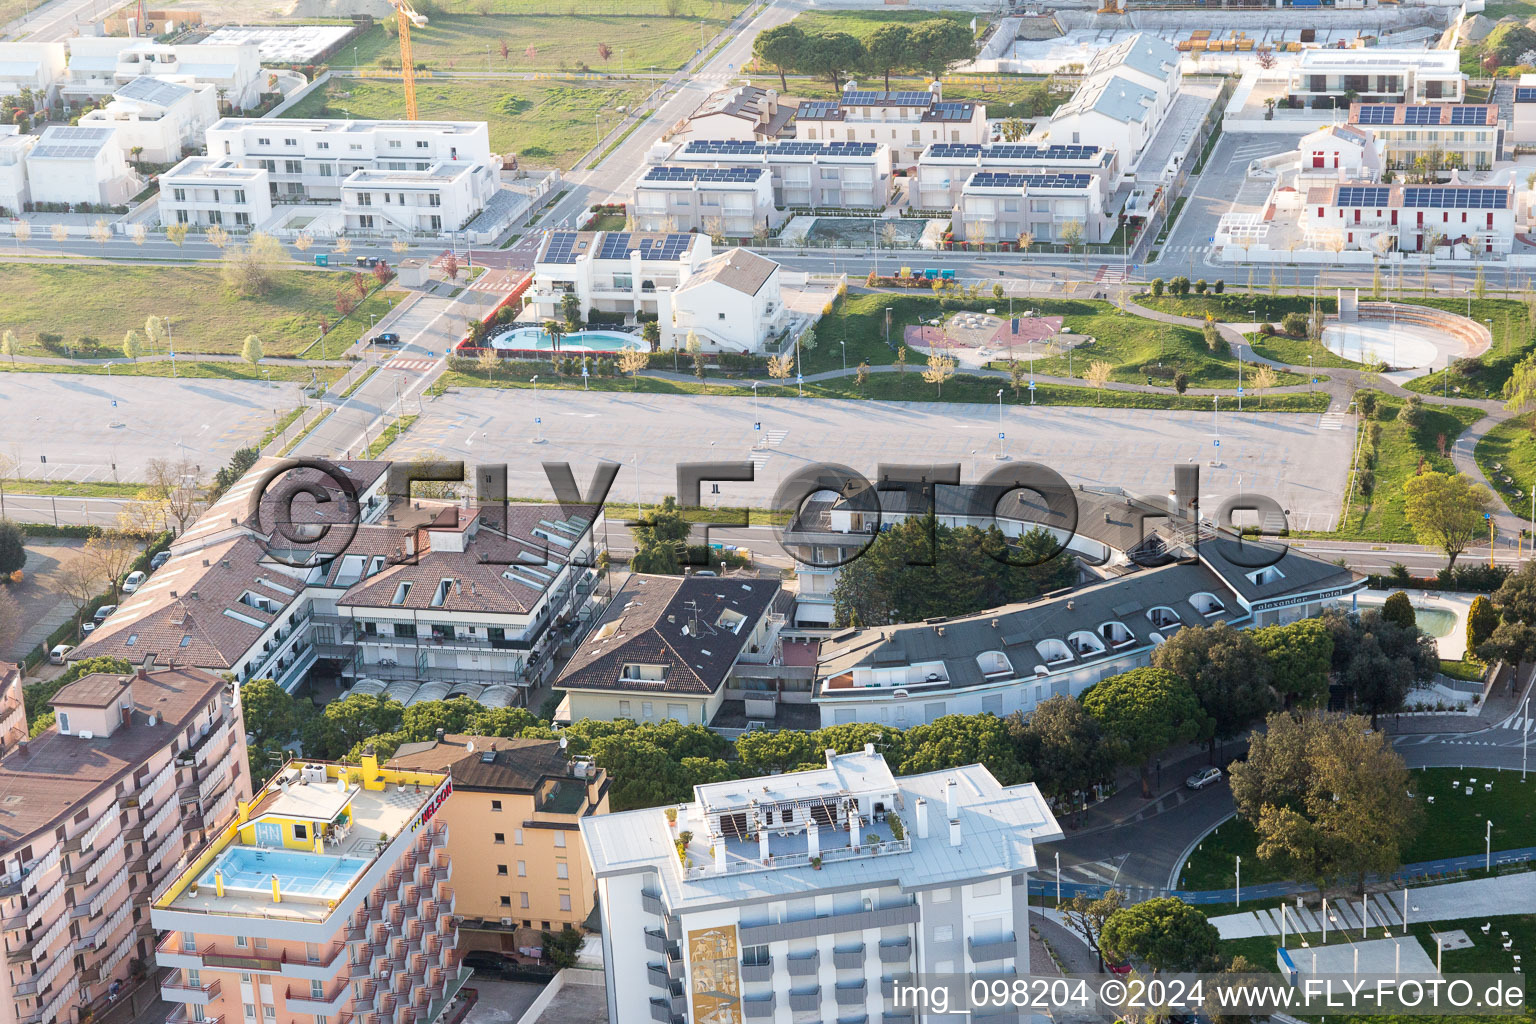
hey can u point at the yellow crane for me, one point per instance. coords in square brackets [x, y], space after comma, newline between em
[405, 17]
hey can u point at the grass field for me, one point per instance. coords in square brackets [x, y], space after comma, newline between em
[1453, 827]
[1512, 341]
[544, 122]
[1297, 351]
[187, 369]
[468, 35]
[1004, 95]
[1512, 445]
[104, 302]
[74, 488]
[1379, 515]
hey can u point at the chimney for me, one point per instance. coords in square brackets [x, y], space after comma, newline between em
[922, 818]
[143, 672]
[720, 856]
[869, 748]
[954, 832]
[951, 808]
[23, 748]
[813, 839]
[762, 843]
[439, 734]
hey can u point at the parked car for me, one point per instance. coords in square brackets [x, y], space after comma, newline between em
[59, 653]
[485, 961]
[1204, 777]
[88, 627]
[160, 559]
[134, 581]
[386, 338]
[103, 612]
[1115, 968]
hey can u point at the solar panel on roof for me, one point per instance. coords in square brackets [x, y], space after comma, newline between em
[1469, 115]
[733, 174]
[873, 98]
[561, 248]
[731, 146]
[1421, 115]
[1356, 195]
[1456, 198]
[816, 109]
[997, 179]
[615, 246]
[1525, 94]
[1375, 115]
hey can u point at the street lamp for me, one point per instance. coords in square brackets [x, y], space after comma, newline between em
[1238, 889]
[1000, 455]
[844, 344]
[1488, 846]
[757, 416]
[538, 422]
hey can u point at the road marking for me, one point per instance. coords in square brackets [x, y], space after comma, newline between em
[411, 364]
[776, 437]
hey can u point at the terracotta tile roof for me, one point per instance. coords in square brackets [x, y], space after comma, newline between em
[518, 765]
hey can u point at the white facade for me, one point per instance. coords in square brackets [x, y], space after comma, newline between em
[35, 66]
[612, 271]
[98, 65]
[732, 304]
[1333, 78]
[443, 198]
[202, 190]
[744, 112]
[1411, 218]
[160, 117]
[1522, 127]
[80, 164]
[907, 122]
[731, 201]
[997, 207]
[798, 897]
[14, 148]
[945, 167]
[804, 174]
[1127, 91]
[1339, 152]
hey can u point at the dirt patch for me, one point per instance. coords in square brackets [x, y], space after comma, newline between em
[43, 608]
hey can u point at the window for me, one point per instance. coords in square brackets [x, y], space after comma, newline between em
[243, 218]
[495, 805]
[290, 142]
[312, 952]
[434, 200]
[501, 869]
[498, 838]
[559, 840]
[300, 831]
[188, 942]
[517, 836]
[239, 196]
[215, 217]
[562, 870]
[180, 194]
[181, 216]
[522, 901]
[522, 869]
[365, 199]
[316, 988]
[241, 942]
[63, 722]
[322, 145]
[435, 222]
[394, 143]
[269, 1012]
[506, 901]
[293, 166]
[421, 143]
[250, 1012]
[260, 943]
[565, 901]
[263, 142]
[624, 711]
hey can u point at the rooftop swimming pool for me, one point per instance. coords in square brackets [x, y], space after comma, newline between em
[534, 339]
[305, 875]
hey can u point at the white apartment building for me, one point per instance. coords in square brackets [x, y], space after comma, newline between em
[744, 112]
[14, 147]
[1340, 152]
[1411, 218]
[1126, 93]
[731, 201]
[205, 190]
[34, 66]
[99, 65]
[157, 116]
[906, 121]
[1522, 127]
[612, 271]
[805, 174]
[731, 304]
[803, 896]
[999, 206]
[1466, 134]
[80, 164]
[945, 167]
[445, 197]
[1330, 78]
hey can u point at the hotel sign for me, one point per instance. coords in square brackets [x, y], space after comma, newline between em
[714, 976]
[432, 805]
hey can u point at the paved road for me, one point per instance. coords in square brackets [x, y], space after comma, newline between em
[61, 19]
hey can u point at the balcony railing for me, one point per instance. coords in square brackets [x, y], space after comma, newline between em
[192, 995]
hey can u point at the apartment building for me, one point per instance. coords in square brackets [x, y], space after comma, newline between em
[13, 712]
[667, 645]
[730, 304]
[1411, 218]
[514, 823]
[80, 164]
[101, 808]
[158, 117]
[744, 112]
[999, 206]
[445, 197]
[945, 167]
[612, 271]
[1464, 135]
[907, 121]
[37, 67]
[326, 899]
[206, 190]
[1335, 152]
[1126, 93]
[1522, 126]
[100, 65]
[473, 597]
[14, 147]
[804, 896]
[848, 175]
[734, 201]
[1329, 78]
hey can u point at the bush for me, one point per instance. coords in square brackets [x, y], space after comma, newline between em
[1160, 372]
[1294, 324]
[1412, 412]
[1201, 286]
[1267, 329]
[1219, 287]
[1157, 287]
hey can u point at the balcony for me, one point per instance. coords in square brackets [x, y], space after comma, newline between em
[803, 965]
[757, 972]
[851, 993]
[757, 1007]
[651, 903]
[1000, 948]
[656, 941]
[801, 1000]
[848, 957]
[191, 995]
[302, 1001]
[661, 1011]
[895, 951]
[901, 912]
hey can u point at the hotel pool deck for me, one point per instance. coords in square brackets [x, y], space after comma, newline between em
[534, 339]
[313, 876]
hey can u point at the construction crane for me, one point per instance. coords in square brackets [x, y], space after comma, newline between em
[405, 17]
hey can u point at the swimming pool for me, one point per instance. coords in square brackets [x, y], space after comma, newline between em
[312, 875]
[533, 339]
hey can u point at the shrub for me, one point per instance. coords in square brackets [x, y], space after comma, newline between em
[1219, 287]
[1201, 286]
[1267, 329]
[1294, 324]
[1157, 287]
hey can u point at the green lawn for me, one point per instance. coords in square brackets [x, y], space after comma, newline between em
[543, 122]
[74, 488]
[1512, 445]
[1233, 306]
[468, 35]
[1453, 826]
[104, 302]
[1004, 95]
[1512, 341]
[186, 368]
[1297, 351]
[1379, 514]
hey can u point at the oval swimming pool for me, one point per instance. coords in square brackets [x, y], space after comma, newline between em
[535, 339]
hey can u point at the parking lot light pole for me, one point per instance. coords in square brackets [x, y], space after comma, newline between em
[1238, 890]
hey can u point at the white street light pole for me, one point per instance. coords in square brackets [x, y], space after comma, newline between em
[1238, 891]
[1000, 455]
[1058, 879]
[1488, 846]
[538, 422]
[757, 414]
[1525, 730]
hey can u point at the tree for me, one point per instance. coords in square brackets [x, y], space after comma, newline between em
[13, 547]
[955, 740]
[133, 345]
[155, 332]
[1398, 609]
[250, 349]
[1446, 510]
[1226, 671]
[270, 712]
[1239, 967]
[1064, 746]
[570, 311]
[940, 44]
[1098, 373]
[1071, 234]
[1294, 324]
[113, 552]
[781, 367]
[1181, 382]
[781, 46]
[830, 55]
[861, 375]
[1482, 620]
[9, 344]
[216, 236]
[59, 233]
[79, 579]
[250, 270]
[1511, 642]
[1025, 241]
[1411, 412]
[940, 368]
[1328, 797]
[345, 723]
[451, 268]
[1144, 711]
[101, 231]
[1014, 129]
[651, 333]
[770, 753]
[1299, 656]
[1262, 380]
[171, 492]
[22, 231]
[889, 49]
[1515, 600]
[1211, 333]
[176, 234]
[1087, 916]
[241, 461]
[1377, 661]
[1165, 933]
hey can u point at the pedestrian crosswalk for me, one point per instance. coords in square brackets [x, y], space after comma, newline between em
[417, 365]
[1111, 273]
[1332, 421]
[776, 437]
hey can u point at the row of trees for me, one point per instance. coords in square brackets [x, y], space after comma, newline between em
[930, 47]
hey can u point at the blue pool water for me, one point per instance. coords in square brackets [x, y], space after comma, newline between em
[299, 874]
[533, 339]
